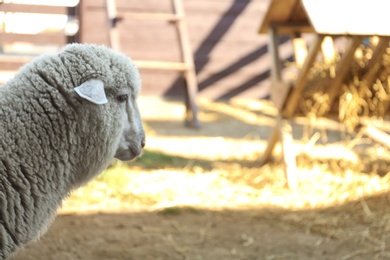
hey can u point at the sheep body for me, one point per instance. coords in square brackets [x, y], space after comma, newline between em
[53, 140]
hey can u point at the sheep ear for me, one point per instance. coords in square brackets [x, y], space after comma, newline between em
[92, 90]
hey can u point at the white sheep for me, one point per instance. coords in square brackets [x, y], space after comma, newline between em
[63, 118]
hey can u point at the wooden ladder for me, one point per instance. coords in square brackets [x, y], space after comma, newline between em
[185, 66]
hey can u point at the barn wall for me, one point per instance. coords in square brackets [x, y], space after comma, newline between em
[231, 58]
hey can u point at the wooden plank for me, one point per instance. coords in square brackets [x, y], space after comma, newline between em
[190, 74]
[42, 38]
[165, 65]
[273, 48]
[11, 65]
[300, 84]
[342, 69]
[273, 139]
[292, 28]
[278, 11]
[298, 13]
[133, 5]
[14, 62]
[152, 16]
[26, 8]
[203, 6]
[279, 92]
[213, 49]
[16, 58]
[241, 32]
[187, 66]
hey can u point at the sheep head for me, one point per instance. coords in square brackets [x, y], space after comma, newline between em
[109, 79]
[132, 138]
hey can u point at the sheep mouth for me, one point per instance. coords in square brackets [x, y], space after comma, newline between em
[128, 154]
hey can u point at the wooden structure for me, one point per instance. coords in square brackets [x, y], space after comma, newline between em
[11, 62]
[186, 65]
[326, 19]
[215, 28]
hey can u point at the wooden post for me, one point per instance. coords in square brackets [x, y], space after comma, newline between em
[341, 70]
[82, 26]
[112, 19]
[271, 143]
[189, 74]
[292, 102]
[276, 76]
[273, 47]
[289, 154]
[74, 11]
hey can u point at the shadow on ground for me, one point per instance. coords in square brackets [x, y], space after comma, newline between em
[354, 228]
[349, 231]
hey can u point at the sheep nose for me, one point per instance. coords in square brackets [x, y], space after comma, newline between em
[143, 143]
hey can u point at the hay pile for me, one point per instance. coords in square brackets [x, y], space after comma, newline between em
[357, 98]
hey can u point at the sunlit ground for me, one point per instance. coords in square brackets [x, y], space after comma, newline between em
[218, 166]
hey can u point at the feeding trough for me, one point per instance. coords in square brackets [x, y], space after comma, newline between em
[328, 78]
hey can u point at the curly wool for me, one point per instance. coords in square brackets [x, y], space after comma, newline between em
[53, 141]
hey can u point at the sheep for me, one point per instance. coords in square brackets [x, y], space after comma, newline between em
[63, 117]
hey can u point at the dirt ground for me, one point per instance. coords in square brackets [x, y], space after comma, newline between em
[187, 234]
[198, 233]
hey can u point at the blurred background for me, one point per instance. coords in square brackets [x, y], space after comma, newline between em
[210, 192]
[229, 55]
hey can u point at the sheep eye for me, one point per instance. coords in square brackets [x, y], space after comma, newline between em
[122, 98]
